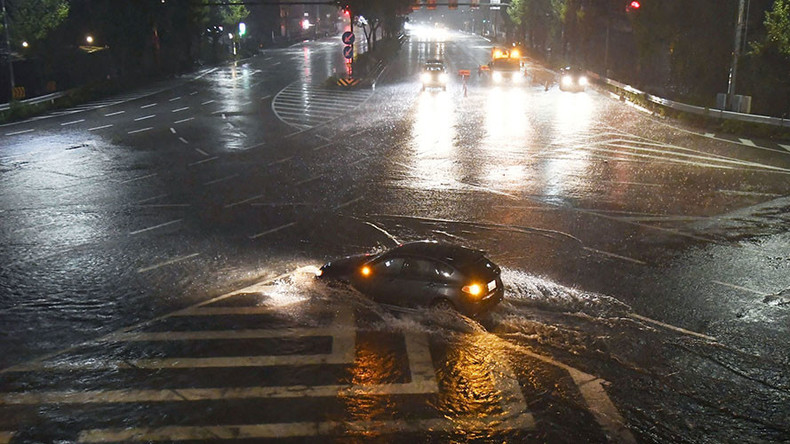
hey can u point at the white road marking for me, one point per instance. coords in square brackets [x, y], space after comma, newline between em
[273, 230]
[99, 127]
[302, 182]
[156, 226]
[223, 116]
[617, 256]
[345, 204]
[280, 161]
[114, 114]
[141, 130]
[138, 178]
[222, 179]
[184, 141]
[738, 287]
[145, 117]
[207, 102]
[249, 199]
[150, 198]
[166, 263]
[203, 161]
[266, 97]
[148, 106]
[787, 147]
[184, 120]
[747, 142]
[72, 122]
[710, 135]
[164, 205]
[16, 133]
[201, 151]
[672, 327]
[172, 130]
[175, 98]
[193, 93]
[178, 110]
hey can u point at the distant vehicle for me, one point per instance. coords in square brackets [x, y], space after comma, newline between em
[422, 274]
[505, 67]
[434, 75]
[572, 79]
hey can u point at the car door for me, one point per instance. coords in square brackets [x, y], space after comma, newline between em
[421, 282]
[382, 285]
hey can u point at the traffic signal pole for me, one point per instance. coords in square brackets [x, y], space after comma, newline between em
[8, 47]
[736, 53]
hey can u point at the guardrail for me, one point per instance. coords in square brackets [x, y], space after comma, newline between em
[34, 100]
[699, 110]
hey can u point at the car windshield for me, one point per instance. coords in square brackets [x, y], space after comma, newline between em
[193, 195]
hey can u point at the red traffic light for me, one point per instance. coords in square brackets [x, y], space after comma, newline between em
[634, 5]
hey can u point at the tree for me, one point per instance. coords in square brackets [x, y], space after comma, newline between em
[777, 24]
[32, 20]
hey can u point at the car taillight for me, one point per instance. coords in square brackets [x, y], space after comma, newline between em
[473, 289]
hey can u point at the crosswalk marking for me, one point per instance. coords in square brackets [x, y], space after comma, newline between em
[747, 142]
[787, 147]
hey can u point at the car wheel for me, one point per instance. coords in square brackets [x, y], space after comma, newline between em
[443, 305]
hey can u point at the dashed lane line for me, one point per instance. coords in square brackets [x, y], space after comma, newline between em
[345, 204]
[16, 133]
[616, 256]
[738, 287]
[168, 262]
[73, 122]
[141, 130]
[273, 230]
[178, 110]
[249, 199]
[184, 120]
[135, 179]
[97, 128]
[184, 141]
[221, 179]
[175, 98]
[148, 106]
[156, 226]
[150, 116]
[115, 113]
[199, 162]
[207, 102]
[672, 327]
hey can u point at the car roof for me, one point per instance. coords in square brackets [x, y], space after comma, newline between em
[434, 62]
[445, 252]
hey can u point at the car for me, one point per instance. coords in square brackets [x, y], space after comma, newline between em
[505, 70]
[573, 79]
[434, 75]
[422, 274]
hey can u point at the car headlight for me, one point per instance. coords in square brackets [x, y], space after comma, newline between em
[425, 77]
[566, 80]
[443, 77]
[583, 81]
[473, 289]
[497, 77]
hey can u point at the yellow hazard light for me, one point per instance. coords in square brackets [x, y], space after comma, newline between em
[498, 54]
[365, 271]
[473, 289]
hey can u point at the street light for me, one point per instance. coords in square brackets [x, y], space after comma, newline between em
[89, 39]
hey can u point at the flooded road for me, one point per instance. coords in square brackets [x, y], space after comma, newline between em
[645, 263]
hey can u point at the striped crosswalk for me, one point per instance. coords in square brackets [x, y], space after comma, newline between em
[306, 106]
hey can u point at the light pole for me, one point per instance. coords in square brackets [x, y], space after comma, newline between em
[8, 47]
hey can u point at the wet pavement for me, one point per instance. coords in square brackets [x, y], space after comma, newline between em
[645, 263]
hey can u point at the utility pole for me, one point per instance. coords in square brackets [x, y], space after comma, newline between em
[736, 52]
[8, 48]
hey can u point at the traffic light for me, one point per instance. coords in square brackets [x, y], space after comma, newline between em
[633, 6]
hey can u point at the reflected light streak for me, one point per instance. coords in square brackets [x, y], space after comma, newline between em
[434, 136]
[568, 175]
[573, 115]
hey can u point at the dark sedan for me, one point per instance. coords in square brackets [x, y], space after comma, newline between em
[573, 79]
[423, 274]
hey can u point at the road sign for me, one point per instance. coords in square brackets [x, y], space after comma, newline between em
[348, 52]
[348, 38]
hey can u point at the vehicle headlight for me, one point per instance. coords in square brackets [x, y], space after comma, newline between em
[443, 77]
[567, 80]
[497, 76]
[425, 77]
[583, 81]
[473, 289]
